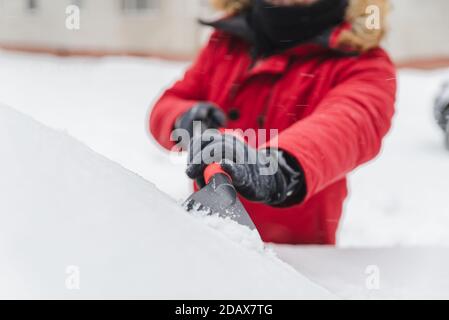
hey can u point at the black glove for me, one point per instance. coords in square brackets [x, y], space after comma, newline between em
[442, 107]
[210, 116]
[268, 176]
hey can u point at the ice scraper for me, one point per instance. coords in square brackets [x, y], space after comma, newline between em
[219, 197]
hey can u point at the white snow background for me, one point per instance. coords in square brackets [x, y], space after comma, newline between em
[399, 199]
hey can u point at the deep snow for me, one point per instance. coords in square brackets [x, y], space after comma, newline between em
[63, 206]
[399, 199]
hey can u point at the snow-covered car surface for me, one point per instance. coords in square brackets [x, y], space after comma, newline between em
[76, 225]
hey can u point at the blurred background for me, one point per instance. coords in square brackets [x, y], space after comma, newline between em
[168, 28]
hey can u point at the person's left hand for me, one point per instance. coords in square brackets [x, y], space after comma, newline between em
[255, 173]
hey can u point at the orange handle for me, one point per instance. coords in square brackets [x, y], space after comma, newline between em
[215, 168]
[212, 170]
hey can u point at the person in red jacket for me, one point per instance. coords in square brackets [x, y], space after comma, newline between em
[312, 70]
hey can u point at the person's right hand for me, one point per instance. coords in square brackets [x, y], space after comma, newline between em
[210, 116]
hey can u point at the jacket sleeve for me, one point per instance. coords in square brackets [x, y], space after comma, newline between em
[183, 95]
[347, 128]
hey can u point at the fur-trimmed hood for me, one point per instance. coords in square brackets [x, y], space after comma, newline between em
[361, 34]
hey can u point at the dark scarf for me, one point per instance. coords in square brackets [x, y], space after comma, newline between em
[277, 28]
[272, 29]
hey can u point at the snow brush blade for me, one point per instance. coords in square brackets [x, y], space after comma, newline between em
[220, 197]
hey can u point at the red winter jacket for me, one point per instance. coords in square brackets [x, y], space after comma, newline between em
[332, 112]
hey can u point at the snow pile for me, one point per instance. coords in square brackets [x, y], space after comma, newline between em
[235, 232]
[76, 225]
